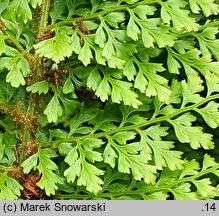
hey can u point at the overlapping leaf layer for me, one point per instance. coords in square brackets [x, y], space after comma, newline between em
[114, 99]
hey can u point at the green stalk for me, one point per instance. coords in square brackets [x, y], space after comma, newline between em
[26, 135]
[164, 188]
[99, 14]
[16, 43]
[44, 16]
[134, 127]
[6, 169]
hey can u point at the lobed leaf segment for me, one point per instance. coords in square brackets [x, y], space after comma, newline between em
[106, 98]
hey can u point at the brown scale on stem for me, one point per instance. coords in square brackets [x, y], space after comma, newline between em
[57, 77]
[44, 36]
[83, 30]
[31, 190]
[29, 183]
[2, 26]
[23, 119]
[53, 74]
[31, 60]
[29, 148]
